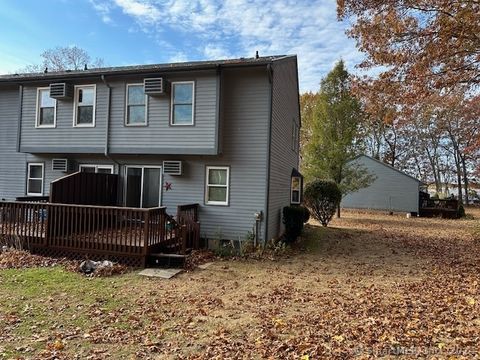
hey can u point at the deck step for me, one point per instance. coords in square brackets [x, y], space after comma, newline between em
[165, 255]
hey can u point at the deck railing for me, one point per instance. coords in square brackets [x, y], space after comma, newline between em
[187, 217]
[89, 229]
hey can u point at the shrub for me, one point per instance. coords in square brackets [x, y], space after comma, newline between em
[322, 197]
[293, 219]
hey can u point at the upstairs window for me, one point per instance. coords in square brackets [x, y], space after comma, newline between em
[183, 95]
[84, 106]
[46, 109]
[217, 185]
[35, 179]
[136, 111]
[295, 136]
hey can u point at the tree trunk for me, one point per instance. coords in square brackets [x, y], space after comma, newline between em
[465, 179]
[459, 178]
[338, 211]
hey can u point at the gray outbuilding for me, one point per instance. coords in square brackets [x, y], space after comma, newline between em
[392, 189]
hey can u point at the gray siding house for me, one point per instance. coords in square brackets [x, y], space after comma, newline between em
[223, 134]
[392, 190]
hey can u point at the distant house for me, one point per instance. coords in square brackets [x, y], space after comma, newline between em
[223, 135]
[392, 189]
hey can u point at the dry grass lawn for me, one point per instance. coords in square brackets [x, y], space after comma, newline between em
[369, 286]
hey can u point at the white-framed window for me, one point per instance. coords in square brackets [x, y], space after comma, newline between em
[296, 190]
[35, 173]
[135, 105]
[295, 136]
[182, 103]
[217, 185]
[84, 106]
[91, 168]
[46, 114]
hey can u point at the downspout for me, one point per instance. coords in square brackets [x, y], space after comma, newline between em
[107, 125]
[107, 132]
[269, 145]
[19, 123]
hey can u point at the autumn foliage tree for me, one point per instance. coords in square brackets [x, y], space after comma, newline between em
[427, 44]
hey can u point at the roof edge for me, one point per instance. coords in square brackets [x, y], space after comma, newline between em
[389, 166]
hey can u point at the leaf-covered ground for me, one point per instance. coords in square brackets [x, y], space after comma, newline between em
[369, 286]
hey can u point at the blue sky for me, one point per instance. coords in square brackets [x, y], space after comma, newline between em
[128, 32]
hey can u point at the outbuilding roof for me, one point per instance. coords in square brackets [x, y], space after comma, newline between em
[390, 167]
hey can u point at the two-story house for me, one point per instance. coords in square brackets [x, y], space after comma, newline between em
[223, 134]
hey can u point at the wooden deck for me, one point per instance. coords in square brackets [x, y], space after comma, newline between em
[122, 234]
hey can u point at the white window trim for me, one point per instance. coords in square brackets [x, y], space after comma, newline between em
[207, 185]
[299, 190]
[126, 107]
[193, 102]
[141, 189]
[75, 105]
[28, 178]
[37, 112]
[101, 166]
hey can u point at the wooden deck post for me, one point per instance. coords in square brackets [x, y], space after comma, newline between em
[146, 237]
[184, 234]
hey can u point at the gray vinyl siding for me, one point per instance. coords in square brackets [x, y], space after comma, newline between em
[391, 190]
[285, 111]
[12, 164]
[245, 122]
[64, 135]
[245, 113]
[159, 137]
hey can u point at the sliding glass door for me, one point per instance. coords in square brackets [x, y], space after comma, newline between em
[143, 186]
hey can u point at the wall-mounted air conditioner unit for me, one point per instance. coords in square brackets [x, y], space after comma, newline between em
[156, 86]
[61, 91]
[63, 165]
[173, 167]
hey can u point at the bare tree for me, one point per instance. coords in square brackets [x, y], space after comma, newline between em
[64, 58]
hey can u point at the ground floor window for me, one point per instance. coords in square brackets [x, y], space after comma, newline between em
[101, 169]
[296, 190]
[35, 175]
[143, 186]
[217, 185]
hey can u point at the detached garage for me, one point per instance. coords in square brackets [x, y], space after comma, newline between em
[391, 190]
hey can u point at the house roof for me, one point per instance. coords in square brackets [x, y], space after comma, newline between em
[141, 69]
[390, 167]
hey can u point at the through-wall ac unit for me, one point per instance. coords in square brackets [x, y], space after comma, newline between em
[63, 165]
[156, 86]
[173, 167]
[61, 91]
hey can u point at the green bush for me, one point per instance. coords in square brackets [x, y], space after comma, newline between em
[322, 197]
[293, 218]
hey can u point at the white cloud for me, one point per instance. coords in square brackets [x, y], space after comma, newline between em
[240, 27]
[143, 11]
[103, 9]
[215, 51]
